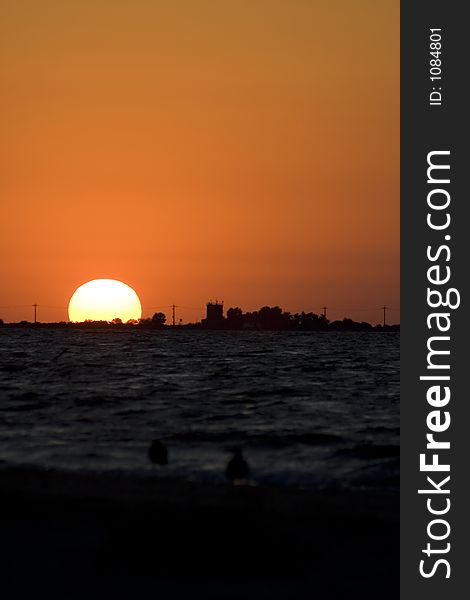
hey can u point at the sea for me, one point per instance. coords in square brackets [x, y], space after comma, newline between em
[308, 409]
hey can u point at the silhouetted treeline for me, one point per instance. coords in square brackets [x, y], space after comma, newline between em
[267, 318]
[114, 324]
[275, 319]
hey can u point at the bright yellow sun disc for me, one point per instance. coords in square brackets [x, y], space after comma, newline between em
[104, 300]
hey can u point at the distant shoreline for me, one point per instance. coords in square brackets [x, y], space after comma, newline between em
[336, 326]
[267, 318]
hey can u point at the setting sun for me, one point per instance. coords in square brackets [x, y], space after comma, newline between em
[104, 300]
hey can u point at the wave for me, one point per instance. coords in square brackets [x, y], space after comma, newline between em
[371, 451]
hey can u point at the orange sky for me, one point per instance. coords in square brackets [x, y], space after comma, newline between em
[197, 149]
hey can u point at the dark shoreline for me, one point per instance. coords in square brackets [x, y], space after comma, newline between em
[117, 536]
[65, 326]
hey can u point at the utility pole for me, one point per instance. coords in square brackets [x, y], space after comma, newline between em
[324, 311]
[174, 316]
[384, 308]
[35, 313]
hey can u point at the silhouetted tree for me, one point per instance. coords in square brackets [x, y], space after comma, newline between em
[159, 319]
[310, 321]
[117, 321]
[235, 318]
[349, 325]
[273, 318]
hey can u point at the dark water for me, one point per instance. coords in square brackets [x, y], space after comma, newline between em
[309, 409]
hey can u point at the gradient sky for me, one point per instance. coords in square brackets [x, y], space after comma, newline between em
[198, 149]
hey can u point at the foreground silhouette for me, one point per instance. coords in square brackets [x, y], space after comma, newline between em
[237, 469]
[158, 453]
[114, 536]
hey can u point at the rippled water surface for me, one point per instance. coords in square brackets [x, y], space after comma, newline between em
[309, 409]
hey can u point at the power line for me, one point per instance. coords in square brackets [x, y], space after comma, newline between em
[171, 306]
[53, 307]
[319, 308]
[16, 306]
[342, 309]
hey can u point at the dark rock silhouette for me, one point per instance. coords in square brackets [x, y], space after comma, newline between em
[237, 469]
[158, 453]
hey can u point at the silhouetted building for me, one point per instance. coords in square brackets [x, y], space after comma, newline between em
[214, 315]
